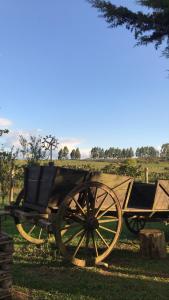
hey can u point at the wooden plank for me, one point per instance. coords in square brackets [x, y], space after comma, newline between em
[5, 294]
[121, 185]
[135, 210]
[4, 213]
[31, 183]
[142, 196]
[46, 184]
[6, 244]
[161, 201]
[65, 181]
[31, 214]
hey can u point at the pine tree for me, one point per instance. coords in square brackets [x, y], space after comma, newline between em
[65, 152]
[77, 153]
[60, 154]
[73, 154]
[151, 27]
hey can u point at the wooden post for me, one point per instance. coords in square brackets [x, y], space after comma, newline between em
[146, 175]
[11, 192]
[152, 243]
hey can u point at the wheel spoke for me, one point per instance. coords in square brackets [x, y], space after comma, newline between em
[79, 206]
[95, 195]
[94, 243]
[73, 225]
[100, 205]
[105, 193]
[87, 204]
[107, 229]
[40, 233]
[87, 240]
[91, 198]
[103, 240]
[31, 230]
[107, 209]
[74, 236]
[79, 244]
[108, 220]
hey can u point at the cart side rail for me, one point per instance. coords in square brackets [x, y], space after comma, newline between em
[120, 185]
[161, 200]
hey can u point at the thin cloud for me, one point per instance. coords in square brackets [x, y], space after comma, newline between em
[5, 122]
[12, 138]
[69, 142]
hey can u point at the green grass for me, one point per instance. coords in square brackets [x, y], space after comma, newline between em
[42, 275]
[155, 167]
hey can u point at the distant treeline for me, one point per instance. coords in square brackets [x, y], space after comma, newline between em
[141, 152]
[117, 153]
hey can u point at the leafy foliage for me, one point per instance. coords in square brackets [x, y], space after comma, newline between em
[2, 131]
[8, 170]
[32, 149]
[165, 151]
[63, 153]
[147, 151]
[75, 154]
[151, 27]
[100, 153]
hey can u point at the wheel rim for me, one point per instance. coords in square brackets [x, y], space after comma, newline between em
[91, 214]
[28, 228]
[135, 224]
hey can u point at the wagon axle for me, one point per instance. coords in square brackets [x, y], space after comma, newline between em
[91, 223]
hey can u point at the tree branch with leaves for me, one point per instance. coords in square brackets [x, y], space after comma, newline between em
[151, 27]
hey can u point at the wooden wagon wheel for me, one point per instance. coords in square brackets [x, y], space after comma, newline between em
[135, 223]
[27, 227]
[92, 217]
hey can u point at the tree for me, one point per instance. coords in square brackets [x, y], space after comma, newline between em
[165, 151]
[73, 154]
[65, 152]
[8, 169]
[60, 154]
[32, 149]
[77, 154]
[97, 152]
[24, 145]
[151, 27]
[94, 153]
[147, 152]
[2, 131]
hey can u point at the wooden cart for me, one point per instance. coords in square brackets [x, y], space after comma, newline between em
[84, 210]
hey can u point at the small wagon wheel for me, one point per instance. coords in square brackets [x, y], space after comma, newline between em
[92, 217]
[135, 223]
[28, 228]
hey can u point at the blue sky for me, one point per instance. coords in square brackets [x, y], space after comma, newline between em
[64, 72]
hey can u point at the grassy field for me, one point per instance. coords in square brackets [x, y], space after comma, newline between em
[154, 166]
[39, 274]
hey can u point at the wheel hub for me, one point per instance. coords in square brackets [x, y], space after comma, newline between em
[91, 223]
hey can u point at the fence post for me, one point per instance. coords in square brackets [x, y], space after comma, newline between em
[11, 192]
[146, 175]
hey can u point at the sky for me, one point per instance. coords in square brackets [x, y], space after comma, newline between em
[64, 72]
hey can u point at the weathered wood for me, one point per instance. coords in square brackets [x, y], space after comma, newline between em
[6, 244]
[152, 243]
[161, 201]
[121, 185]
[31, 214]
[5, 294]
[146, 175]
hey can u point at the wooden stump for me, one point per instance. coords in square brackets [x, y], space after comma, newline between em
[152, 243]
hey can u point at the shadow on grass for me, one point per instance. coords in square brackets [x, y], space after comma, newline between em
[65, 282]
